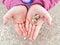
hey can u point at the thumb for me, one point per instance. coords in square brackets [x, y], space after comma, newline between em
[48, 18]
[7, 16]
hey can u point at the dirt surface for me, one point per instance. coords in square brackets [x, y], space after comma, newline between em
[49, 35]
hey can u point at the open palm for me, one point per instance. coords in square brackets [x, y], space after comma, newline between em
[36, 16]
[18, 16]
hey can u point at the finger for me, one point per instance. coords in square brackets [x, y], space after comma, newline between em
[48, 18]
[21, 28]
[32, 32]
[24, 30]
[38, 27]
[17, 29]
[29, 30]
[27, 25]
[7, 16]
[44, 13]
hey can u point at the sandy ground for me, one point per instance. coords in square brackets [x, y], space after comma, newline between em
[47, 36]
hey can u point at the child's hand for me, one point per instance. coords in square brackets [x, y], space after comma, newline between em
[18, 16]
[36, 16]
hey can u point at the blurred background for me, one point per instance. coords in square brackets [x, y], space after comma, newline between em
[48, 35]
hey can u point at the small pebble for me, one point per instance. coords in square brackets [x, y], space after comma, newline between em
[24, 38]
[34, 20]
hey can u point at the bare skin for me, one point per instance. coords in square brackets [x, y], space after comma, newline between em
[18, 16]
[33, 24]
[28, 23]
